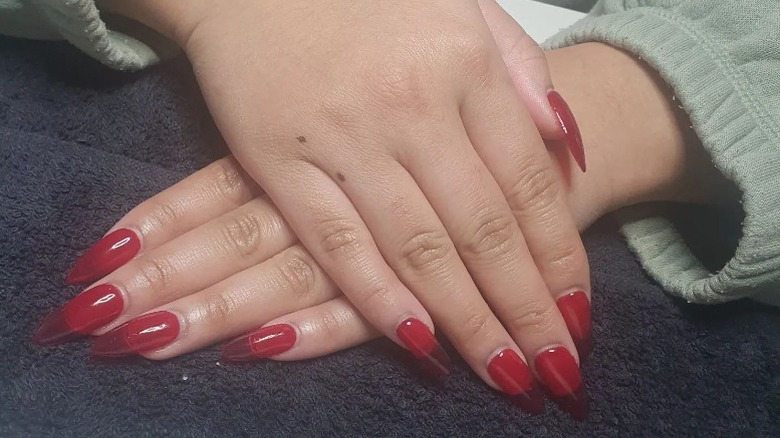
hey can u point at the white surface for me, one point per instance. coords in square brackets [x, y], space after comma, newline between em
[540, 20]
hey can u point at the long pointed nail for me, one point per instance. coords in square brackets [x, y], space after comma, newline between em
[514, 377]
[571, 132]
[105, 256]
[145, 333]
[80, 316]
[575, 309]
[419, 340]
[560, 374]
[264, 343]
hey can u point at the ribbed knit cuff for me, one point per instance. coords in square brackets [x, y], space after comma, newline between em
[78, 21]
[734, 128]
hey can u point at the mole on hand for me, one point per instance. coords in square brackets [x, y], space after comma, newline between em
[340, 176]
[301, 139]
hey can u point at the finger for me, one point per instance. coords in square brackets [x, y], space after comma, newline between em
[286, 283]
[527, 66]
[189, 263]
[312, 332]
[206, 194]
[336, 235]
[517, 159]
[418, 246]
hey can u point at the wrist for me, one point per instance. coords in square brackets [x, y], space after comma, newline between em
[638, 142]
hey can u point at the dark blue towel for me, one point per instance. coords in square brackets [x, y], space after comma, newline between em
[80, 145]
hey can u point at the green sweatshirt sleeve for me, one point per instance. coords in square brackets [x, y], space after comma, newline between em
[77, 21]
[722, 59]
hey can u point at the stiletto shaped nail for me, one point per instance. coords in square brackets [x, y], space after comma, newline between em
[264, 343]
[145, 333]
[419, 340]
[575, 309]
[109, 253]
[571, 132]
[80, 316]
[514, 377]
[560, 374]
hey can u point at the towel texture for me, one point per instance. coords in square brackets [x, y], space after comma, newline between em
[81, 144]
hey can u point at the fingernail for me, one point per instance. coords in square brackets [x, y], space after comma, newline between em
[80, 316]
[145, 333]
[514, 377]
[109, 253]
[266, 342]
[419, 340]
[571, 132]
[560, 374]
[575, 309]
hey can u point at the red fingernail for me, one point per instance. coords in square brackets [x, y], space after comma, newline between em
[80, 316]
[145, 333]
[560, 374]
[109, 253]
[266, 342]
[571, 132]
[514, 377]
[419, 340]
[575, 309]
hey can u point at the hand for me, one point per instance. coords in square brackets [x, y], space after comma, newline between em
[244, 269]
[404, 163]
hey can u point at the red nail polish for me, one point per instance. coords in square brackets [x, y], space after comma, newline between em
[419, 340]
[83, 314]
[571, 132]
[109, 253]
[575, 309]
[145, 333]
[560, 374]
[266, 342]
[510, 373]
[514, 377]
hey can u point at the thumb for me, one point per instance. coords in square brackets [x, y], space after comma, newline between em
[527, 67]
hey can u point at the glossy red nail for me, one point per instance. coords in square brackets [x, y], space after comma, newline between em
[419, 340]
[560, 374]
[514, 378]
[109, 253]
[575, 309]
[266, 342]
[571, 132]
[510, 372]
[83, 314]
[145, 333]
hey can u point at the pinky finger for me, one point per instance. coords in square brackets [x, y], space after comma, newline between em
[309, 333]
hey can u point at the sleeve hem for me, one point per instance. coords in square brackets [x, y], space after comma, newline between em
[734, 128]
[78, 21]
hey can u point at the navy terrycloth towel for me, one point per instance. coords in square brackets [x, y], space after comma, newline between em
[80, 145]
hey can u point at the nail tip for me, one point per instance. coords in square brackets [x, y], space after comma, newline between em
[54, 330]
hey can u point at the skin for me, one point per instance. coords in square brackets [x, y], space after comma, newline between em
[401, 228]
[232, 263]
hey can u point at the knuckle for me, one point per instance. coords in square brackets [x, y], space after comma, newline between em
[426, 251]
[536, 191]
[219, 306]
[339, 237]
[399, 86]
[243, 233]
[299, 274]
[474, 53]
[228, 183]
[331, 325]
[163, 215]
[568, 258]
[477, 327]
[494, 236]
[531, 316]
[377, 296]
[157, 275]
